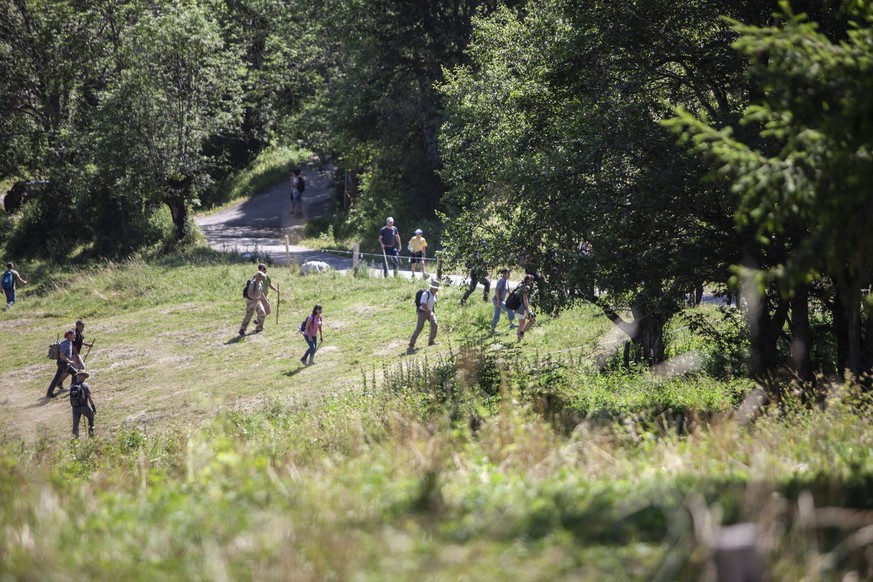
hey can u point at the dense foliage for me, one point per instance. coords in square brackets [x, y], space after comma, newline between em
[531, 132]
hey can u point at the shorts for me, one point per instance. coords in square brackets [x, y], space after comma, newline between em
[417, 258]
[296, 197]
[520, 312]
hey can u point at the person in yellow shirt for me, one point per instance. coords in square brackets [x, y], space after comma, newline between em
[418, 247]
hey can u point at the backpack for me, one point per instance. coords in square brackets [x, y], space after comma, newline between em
[301, 184]
[246, 288]
[513, 302]
[78, 396]
[8, 281]
[302, 327]
[54, 351]
[418, 295]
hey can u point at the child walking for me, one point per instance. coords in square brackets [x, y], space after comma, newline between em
[312, 327]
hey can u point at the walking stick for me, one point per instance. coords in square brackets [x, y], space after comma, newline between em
[89, 350]
[278, 303]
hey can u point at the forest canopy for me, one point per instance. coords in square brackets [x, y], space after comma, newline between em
[625, 152]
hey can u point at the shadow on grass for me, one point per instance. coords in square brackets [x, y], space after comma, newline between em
[40, 403]
[295, 371]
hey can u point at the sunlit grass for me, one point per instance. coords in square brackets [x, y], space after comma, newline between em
[219, 458]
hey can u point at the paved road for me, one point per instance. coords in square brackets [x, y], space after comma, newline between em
[259, 225]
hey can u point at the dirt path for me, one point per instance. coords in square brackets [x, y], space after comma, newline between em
[260, 224]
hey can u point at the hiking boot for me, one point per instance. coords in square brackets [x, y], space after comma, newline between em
[258, 330]
[513, 326]
[431, 343]
[242, 332]
[303, 361]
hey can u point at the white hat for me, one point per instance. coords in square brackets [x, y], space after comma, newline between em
[418, 231]
[389, 219]
[434, 284]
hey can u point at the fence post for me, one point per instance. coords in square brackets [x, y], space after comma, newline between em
[356, 256]
[287, 250]
[439, 267]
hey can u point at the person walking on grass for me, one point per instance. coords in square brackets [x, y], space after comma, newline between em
[82, 403]
[524, 311]
[65, 363]
[268, 284]
[254, 304]
[389, 240]
[10, 280]
[501, 291]
[311, 328]
[78, 362]
[426, 312]
[418, 248]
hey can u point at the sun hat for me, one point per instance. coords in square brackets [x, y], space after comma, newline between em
[434, 283]
[418, 231]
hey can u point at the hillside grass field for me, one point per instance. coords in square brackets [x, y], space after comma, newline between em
[223, 458]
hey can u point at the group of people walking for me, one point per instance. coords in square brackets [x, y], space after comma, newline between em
[70, 362]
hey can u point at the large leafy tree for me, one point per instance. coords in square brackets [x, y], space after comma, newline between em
[381, 111]
[179, 86]
[554, 138]
[815, 188]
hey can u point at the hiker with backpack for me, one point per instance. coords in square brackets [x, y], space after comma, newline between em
[82, 403]
[418, 247]
[298, 185]
[519, 300]
[65, 362]
[425, 302]
[9, 281]
[311, 327]
[268, 284]
[500, 296]
[389, 240]
[253, 293]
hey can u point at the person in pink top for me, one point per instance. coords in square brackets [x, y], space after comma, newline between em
[310, 330]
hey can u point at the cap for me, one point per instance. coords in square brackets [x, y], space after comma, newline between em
[418, 231]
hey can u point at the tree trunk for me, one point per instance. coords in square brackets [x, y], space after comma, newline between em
[765, 328]
[649, 335]
[798, 355]
[179, 211]
[867, 350]
[847, 329]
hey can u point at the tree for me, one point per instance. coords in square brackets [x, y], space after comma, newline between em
[814, 103]
[554, 136]
[179, 86]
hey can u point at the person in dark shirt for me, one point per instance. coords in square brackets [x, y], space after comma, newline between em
[389, 240]
[65, 363]
[83, 405]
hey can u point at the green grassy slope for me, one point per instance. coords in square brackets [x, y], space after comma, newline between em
[477, 459]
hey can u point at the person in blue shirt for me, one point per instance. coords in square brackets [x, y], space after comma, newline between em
[65, 363]
[10, 279]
